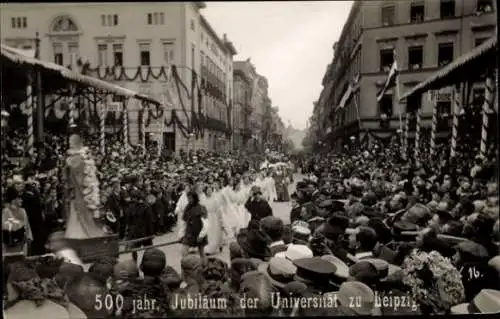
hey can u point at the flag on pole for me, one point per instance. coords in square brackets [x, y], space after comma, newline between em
[349, 91]
[391, 79]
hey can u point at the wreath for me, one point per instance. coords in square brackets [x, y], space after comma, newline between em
[434, 281]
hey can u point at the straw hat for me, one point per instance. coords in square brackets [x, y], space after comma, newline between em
[487, 301]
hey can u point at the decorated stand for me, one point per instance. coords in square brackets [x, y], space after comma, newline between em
[76, 99]
[478, 65]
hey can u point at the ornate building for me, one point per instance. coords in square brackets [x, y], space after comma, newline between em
[134, 45]
[425, 35]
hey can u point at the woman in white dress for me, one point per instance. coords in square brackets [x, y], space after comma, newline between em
[271, 187]
[214, 222]
[229, 210]
[179, 209]
[242, 196]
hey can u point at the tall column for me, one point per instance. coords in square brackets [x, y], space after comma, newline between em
[30, 145]
[432, 99]
[456, 114]
[487, 109]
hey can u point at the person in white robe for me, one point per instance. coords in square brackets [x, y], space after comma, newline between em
[179, 210]
[271, 188]
[214, 232]
[229, 211]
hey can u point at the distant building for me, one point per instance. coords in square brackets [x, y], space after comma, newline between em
[138, 39]
[426, 35]
[257, 103]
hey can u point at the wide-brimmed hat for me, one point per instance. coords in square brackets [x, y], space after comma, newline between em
[384, 269]
[295, 252]
[280, 271]
[355, 290]
[342, 270]
[254, 242]
[473, 249]
[487, 301]
[495, 263]
[364, 271]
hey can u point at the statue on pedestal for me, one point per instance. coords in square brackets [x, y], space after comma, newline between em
[84, 220]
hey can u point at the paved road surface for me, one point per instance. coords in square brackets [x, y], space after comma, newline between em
[173, 252]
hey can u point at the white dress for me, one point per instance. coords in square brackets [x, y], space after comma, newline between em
[179, 209]
[244, 215]
[271, 189]
[229, 212]
[214, 232]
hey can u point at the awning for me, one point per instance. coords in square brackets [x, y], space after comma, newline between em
[17, 57]
[473, 63]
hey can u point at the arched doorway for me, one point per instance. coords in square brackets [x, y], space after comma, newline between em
[64, 37]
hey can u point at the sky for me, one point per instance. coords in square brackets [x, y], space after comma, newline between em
[289, 42]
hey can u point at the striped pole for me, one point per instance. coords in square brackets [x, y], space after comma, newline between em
[487, 109]
[456, 113]
[143, 129]
[432, 99]
[125, 124]
[71, 121]
[30, 146]
[407, 129]
[102, 136]
[417, 134]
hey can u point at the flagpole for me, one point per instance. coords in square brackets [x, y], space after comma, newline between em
[398, 99]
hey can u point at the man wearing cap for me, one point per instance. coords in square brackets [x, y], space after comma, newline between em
[273, 227]
[257, 206]
[316, 273]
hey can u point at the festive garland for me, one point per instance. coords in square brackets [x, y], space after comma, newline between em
[119, 73]
[434, 281]
[90, 182]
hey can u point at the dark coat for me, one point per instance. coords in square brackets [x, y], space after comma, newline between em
[139, 220]
[193, 218]
[295, 214]
[33, 206]
[115, 205]
[258, 209]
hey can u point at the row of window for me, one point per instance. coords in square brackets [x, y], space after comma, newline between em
[416, 55]
[109, 20]
[19, 22]
[417, 11]
[211, 67]
[444, 106]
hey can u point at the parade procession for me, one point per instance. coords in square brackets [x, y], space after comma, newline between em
[173, 188]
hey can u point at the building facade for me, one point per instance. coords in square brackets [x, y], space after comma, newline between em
[138, 41]
[257, 113]
[425, 35]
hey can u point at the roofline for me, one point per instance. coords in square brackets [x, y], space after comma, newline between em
[212, 32]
